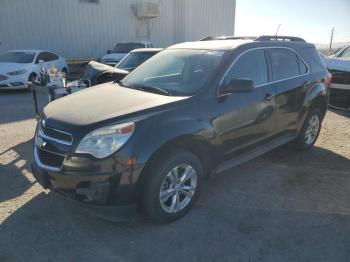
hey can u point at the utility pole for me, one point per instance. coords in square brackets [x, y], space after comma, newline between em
[330, 44]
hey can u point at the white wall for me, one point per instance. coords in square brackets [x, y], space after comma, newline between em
[78, 30]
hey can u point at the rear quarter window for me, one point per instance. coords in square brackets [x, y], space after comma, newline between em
[313, 59]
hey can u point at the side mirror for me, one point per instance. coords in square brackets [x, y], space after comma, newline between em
[238, 85]
[109, 51]
[39, 61]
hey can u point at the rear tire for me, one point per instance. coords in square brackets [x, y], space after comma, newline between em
[172, 185]
[309, 132]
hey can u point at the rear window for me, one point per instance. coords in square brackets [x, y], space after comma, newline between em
[133, 60]
[284, 63]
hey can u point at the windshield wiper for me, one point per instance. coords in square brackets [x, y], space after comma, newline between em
[152, 89]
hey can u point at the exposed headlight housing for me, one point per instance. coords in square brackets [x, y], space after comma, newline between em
[103, 142]
[18, 72]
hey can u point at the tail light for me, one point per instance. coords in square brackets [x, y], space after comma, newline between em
[328, 81]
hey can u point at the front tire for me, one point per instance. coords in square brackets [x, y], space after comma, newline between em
[310, 130]
[172, 186]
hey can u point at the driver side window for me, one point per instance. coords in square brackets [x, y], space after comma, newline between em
[251, 65]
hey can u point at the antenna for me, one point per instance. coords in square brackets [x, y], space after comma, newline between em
[331, 42]
[278, 28]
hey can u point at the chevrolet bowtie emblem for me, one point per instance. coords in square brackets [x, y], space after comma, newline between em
[40, 142]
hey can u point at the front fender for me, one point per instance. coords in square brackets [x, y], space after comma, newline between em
[169, 131]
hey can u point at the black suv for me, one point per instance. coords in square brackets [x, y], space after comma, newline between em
[191, 110]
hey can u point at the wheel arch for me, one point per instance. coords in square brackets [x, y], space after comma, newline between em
[192, 143]
[317, 96]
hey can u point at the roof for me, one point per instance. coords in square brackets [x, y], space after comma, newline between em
[211, 45]
[147, 50]
[225, 45]
[27, 50]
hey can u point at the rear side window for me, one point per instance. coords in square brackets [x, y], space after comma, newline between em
[284, 63]
[302, 67]
[46, 57]
[52, 56]
[251, 65]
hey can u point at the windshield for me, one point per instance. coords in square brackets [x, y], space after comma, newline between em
[133, 60]
[126, 47]
[179, 72]
[17, 57]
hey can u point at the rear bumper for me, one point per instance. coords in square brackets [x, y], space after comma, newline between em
[340, 96]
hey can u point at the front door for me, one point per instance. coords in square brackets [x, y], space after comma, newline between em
[247, 117]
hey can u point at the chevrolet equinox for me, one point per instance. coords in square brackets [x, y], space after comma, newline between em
[192, 110]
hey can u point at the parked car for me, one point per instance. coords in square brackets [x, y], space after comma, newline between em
[191, 110]
[97, 73]
[120, 50]
[339, 67]
[17, 67]
[137, 57]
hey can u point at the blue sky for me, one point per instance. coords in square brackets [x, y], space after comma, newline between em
[310, 19]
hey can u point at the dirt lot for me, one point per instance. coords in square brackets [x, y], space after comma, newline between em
[283, 206]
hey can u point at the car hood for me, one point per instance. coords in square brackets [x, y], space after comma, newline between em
[114, 56]
[338, 64]
[101, 105]
[10, 67]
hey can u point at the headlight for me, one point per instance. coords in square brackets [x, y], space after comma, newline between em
[105, 141]
[18, 72]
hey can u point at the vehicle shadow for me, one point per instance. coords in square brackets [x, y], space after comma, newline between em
[283, 206]
[18, 105]
[15, 170]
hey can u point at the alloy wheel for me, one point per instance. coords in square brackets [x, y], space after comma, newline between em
[312, 129]
[178, 188]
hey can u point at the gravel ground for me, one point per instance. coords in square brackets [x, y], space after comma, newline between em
[283, 206]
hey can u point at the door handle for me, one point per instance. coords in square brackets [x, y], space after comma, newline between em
[268, 97]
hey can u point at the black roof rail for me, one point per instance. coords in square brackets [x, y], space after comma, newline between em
[280, 38]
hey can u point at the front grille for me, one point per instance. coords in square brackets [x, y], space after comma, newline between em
[2, 77]
[50, 159]
[49, 146]
[55, 134]
[340, 77]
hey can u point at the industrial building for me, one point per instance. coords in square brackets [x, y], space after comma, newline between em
[83, 29]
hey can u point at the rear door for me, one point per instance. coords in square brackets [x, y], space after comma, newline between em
[248, 117]
[289, 73]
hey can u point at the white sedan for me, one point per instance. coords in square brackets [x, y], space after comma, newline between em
[17, 67]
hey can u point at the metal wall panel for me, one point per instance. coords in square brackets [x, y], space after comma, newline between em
[77, 30]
